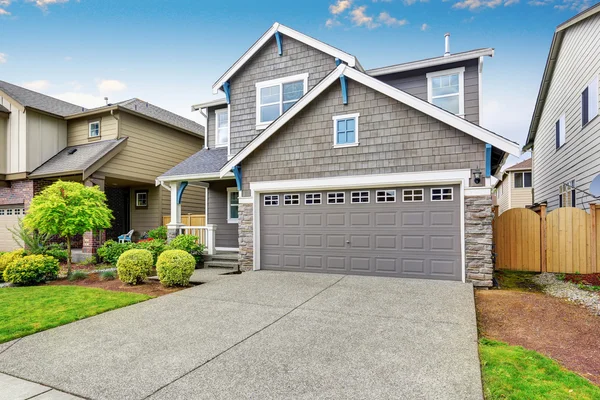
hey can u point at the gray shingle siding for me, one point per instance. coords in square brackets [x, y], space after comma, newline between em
[265, 65]
[393, 138]
[211, 133]
[227, 234]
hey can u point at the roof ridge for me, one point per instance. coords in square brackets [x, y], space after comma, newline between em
[32, 91]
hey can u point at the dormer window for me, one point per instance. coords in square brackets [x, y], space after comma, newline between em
[446, 89]
[222, 128]
[275, 97]
[94, 129]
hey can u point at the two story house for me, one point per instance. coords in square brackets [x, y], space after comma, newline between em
[564, 135]
[513, 190]
[120, 148]
[315, 164]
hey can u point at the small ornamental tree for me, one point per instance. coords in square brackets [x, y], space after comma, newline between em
[67, 209]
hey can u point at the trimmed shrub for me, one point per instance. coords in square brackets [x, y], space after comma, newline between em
[78, 276]
[7, 258]
[107, 275]
[189, 244]
[159, 233]
[155, 247]
[57, 252]
[134, 266]
[30, 270]
[111, 251]
[175, 267]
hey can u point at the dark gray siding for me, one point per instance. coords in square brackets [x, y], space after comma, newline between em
[265, 65]
[227, 234]
[393, 138]
[211, 138]
[415, 83]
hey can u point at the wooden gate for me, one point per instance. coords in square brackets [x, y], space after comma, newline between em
[517, 240]
[568, 241]
[188, 220]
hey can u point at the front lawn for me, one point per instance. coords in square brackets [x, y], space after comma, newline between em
[26, 310]
[511, 372]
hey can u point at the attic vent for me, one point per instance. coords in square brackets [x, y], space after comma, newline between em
[72, 151]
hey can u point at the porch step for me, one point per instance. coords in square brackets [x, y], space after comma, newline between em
[221, 264]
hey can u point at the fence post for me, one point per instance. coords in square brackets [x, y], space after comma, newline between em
[593, 249]
[543, 236]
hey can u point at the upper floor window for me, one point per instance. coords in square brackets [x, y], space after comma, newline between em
[275, 97]
[94, 129]
[566, 194]
[233, 204]
[522, 179]
[446, 89]
[589, 102]
[345, 130]
[222, 128]
[560, 131]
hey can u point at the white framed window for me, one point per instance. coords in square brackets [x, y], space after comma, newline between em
[17, 211]
[589, 102]
[2, 212]
[276, 96]
[412, 195]
[522, 179]
[446, 89]
[336, 198]
[345, 130]
[385, 196]
[566, 194]
[442, 194]
[271, 200]
[560, 131]
[222, 127]
[312, 199]
[9, 211]
[291, 199]
[362, 196]
[233, 205]
[94, 129]
[141, 199]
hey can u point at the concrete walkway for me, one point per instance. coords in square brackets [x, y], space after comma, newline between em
[12, 388]
[268, 335]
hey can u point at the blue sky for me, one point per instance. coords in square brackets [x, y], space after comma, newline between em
[170, 52]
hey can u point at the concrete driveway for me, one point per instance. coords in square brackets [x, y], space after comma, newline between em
[268, 335]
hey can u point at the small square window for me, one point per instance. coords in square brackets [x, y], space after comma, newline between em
[95, 129]
[2, 212]
[336, 198]
[17, 211]
[359, 197]
[291, 199]
[345, 130]
[386, 196]
[441, 194]
[9, 212]
[272, 200]
[411, 195]
[312, 199]
[141, 199]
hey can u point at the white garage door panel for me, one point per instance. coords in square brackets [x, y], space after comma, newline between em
[9, 218]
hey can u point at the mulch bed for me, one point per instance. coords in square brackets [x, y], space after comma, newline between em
[586, 279]
[561, 330]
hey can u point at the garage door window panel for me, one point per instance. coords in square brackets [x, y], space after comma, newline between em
[272, 200]
[311, 199]
[291, 199]
[412, 195]
[360, 197]
[336, 198]
[386, 196]
[442, 194]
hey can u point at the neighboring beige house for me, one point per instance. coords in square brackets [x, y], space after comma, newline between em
[120, 148]
[514, 189]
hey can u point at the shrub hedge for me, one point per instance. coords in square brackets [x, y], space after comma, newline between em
[188, 243]
[175, 267]
[134, 266]
[30, 270]
[7, 258]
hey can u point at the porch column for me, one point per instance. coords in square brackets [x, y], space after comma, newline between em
[174, 227]
[92, 241]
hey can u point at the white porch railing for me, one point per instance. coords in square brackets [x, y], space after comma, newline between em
[205, 234]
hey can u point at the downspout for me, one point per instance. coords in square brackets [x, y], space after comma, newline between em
[112, 114]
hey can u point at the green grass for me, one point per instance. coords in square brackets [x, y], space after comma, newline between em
[517, 280]
[511, 372]
[26, 310]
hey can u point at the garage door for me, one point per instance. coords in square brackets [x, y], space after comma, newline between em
[395, 231]
[9, 218]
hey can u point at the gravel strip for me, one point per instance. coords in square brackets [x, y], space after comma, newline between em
[569, 291]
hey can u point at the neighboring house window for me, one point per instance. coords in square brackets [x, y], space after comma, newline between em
[359, 197]
[336, 198]
[522, 179]
[560, 131]
[446, 89]
[275, 97]
[566, 197]
[94, 129]
[222, 128]
[589, 102]
[291, 199]
[9, 212]
[1, 212]
[272, 200]
[312, 199]
[410, 195]
[141, 199]
[441, 194]
[385, 196]
[233, 204]
[345, 130]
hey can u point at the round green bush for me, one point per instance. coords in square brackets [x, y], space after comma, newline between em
[8, 258]
[175, 267]
[134, 266]
[30, 270]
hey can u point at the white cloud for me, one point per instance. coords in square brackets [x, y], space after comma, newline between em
[331, 22]
[411, 2]
[340, 6]
[360, 18]
[388, 20]
[3, 58]
[41, 84]
[3, 11]
[477, 4]
[81, 99]
[577, 5]
[424, 27]
[43, 4]
[111, 85]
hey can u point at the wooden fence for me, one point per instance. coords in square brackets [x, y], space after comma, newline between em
[565, 240]
[188, 220]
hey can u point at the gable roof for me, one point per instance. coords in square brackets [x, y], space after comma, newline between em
[38, 101]
[203, 163]
[549, 70]
[397, 94]
[4, 109]
[284, 30]
[523, 165]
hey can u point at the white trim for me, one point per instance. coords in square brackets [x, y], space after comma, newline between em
[229, 191]
[217, 113]
[268, 35]
[147, 193]
[479, 191]
[441, 189]
[90, 129]
[386, 195]
[195, 177]
[480, 87]
[335, 119]
[562, 134]
[277, 82]
[448, 118]
[461, 86]
[210, 103]
[234, 249]
[246, 200]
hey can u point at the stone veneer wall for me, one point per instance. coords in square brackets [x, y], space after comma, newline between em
[245, 237]
[478, 240]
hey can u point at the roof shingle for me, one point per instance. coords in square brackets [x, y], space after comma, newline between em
[29, 98]
[206, 161]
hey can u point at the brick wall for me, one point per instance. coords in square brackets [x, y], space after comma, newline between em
[478, 240]
[19, 192]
